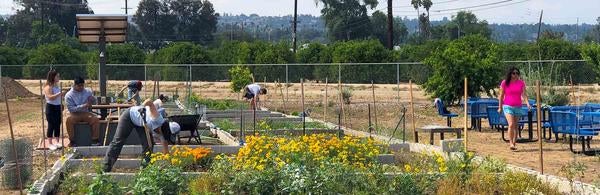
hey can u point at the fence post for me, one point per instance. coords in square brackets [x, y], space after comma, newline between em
[43, 136]
[303, 109]
[398, 81]
[465, 104]
[374, 104]
[145, 81]
[412, 110]
[539, 123]
[12, 137]
[326, 105]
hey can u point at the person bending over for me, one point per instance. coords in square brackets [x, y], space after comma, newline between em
[134, 119]
[252, 92]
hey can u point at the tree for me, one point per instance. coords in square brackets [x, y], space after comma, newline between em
[118, 54]
[549, 34]
[474, 57]
[278, 54]
[50, 33]
[594, 34]
[316, 53]
[3, 31]
[160, 21]
[183, 53]
[196, 20]
[19, 28]
[347, 20]
[379, 21]
[240, 77]
[368, 51]
[55, 54]
[424, 22]
[591, 54]
[60, 12]
[466, 23]
[154, 22]
[12, 56]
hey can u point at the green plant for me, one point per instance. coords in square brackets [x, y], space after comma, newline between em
[521, 183]
[346, 95]
[74, 184]
[155, 179]
[572, 171]
[225, 124]
[240, 77]
[103, 184]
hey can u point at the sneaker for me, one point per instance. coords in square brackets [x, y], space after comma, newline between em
[52, 147]
[95, 143]
[58, 146]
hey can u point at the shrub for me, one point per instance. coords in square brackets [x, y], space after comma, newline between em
[240, 77]
[521, 183]
[346, 95]
[103, 184]
[474, 57]
[182, 157]
[74, 184]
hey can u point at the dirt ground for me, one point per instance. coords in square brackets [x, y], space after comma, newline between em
[390, 98]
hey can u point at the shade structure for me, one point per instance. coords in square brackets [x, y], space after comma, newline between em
[91, 27]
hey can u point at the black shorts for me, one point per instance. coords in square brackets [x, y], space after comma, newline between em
[248, 94]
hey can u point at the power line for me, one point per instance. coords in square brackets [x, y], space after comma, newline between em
[434, 3]
[474, 6]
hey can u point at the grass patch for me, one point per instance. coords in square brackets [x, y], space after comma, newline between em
[25, 117]
[219, 104]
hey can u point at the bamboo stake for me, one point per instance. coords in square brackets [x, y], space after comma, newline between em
[573, 100]
[43, 136]
[539, 124]
[412, 110]
[12, 137]
[465, 104]
[303, 109]
[62, 125]
[374, 104]
[341, 98]
[283, 100]
[326, 105]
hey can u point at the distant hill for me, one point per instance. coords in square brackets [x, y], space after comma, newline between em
[260, 25]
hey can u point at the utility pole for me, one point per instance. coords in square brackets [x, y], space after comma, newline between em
[390, 26]
[126, 7]
[577, 30]
[294, 25]
[540, 26]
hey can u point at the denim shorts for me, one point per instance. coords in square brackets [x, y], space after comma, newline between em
[515, 111]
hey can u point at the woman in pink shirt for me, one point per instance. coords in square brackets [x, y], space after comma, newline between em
[512, 94]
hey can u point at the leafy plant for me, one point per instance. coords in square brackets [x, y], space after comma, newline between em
[573, 170]
[240, 77]
[74, 184]
[155, 179]
[103, 184]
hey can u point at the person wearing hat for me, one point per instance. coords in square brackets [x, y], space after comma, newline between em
[133, 91]
[79, 102]
[134, 119]
[252, 93]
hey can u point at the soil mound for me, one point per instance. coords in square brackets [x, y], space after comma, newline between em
[14, 89]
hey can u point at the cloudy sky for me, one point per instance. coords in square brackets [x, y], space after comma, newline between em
[494, 11]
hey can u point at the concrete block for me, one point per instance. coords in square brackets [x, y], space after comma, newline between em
[386, 159]
[399, 147]
[452, 145]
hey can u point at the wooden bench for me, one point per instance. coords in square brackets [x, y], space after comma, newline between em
[431, 129]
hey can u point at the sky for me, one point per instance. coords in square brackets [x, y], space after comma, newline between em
[494, 11]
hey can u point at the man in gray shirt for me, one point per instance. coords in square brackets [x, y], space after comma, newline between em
[79, 103]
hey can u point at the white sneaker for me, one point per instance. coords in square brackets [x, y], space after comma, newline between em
[58, 146]
[52, 147]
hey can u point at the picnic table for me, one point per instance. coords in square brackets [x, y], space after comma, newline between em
[432, 129]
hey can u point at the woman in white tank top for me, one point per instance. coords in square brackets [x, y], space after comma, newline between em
[53, 97]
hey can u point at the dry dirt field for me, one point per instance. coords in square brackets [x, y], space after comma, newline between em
[390, 98]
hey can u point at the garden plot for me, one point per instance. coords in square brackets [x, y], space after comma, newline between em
[289, 165]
